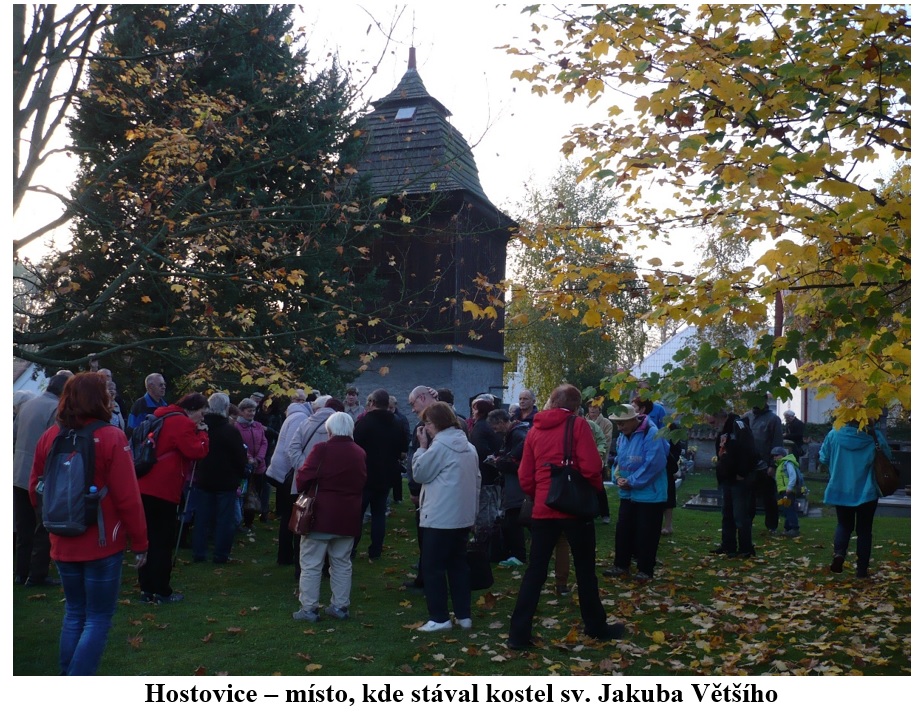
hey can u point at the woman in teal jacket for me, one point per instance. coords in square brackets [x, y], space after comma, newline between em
[849, 452]
[641, 476]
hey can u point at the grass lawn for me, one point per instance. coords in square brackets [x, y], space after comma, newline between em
[780, 613]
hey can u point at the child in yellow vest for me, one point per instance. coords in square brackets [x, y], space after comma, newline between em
[789, 482]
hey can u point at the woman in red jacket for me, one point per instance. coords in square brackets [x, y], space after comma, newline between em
[90, 564]
[337, 470]
[182, 440]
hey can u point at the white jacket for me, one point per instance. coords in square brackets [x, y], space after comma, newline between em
[448, 472]
[280, 460]
[308, 433]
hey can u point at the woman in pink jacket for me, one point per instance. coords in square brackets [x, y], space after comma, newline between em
[90, 564]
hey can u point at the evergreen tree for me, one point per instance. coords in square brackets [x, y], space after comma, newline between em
[220, 243]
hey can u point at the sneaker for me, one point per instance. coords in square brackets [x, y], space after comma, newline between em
[615, 571]
[792, 533]
[464, 623]
[435, 626]
[563, 590]
[147, 598]
[173, 598]
[510, 562]
[337, 612]
[643, 577]
[609, 632]
[836, 564]
[303, 615]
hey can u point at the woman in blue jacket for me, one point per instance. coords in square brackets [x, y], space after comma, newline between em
[641, 476]
[849, 452]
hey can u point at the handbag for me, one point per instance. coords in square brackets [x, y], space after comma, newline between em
[569, 491]
[886, 474]
[480, 574]
[303, 512]
[525, 516]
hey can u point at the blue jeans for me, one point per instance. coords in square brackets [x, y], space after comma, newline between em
[91, 594]
[860, 519]
[790, 513]
[737, 517]
[214, 514]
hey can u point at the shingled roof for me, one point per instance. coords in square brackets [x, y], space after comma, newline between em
[411, 146]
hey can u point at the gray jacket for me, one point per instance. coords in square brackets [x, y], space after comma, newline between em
[297, 414]
[448, 471]
[35, 417]
[766, 427]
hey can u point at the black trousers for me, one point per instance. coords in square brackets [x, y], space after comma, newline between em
[764, 490]
[33, 546]
[583, 542]
[286, 541]
[638, 534]
[161, 533]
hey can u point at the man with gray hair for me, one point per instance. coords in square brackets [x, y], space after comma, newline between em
[154, 398]
[793, 431]
[217, 476]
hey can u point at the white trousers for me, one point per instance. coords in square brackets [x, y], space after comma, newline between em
[312, 557]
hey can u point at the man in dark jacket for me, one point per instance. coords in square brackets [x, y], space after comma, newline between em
[793, 430]
[735, 470]
[379, 434]
[766, 428]
[217, 476]
[507, 460]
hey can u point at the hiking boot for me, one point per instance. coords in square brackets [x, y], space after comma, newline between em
[304, 615]
[337, 612]
[521, 645]
[836, 564]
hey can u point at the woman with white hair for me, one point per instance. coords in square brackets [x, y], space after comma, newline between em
[336, 472]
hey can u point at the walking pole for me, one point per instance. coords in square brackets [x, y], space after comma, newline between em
[182, 517]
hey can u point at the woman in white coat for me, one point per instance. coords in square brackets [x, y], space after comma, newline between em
[446, 466]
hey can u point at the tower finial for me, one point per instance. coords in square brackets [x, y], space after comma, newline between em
[411, 58]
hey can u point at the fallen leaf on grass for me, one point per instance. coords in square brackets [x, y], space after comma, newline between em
[201, 671]
[406, 669]
[234, 630]
[207, 638]
[305, 657]
[362, 657]
[135, 641]
[313, 667]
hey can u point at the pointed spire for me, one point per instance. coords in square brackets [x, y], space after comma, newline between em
[411, 59]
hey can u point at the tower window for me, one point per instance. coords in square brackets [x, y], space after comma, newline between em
[405, 113]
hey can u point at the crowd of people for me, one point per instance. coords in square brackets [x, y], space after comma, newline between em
[478, 483]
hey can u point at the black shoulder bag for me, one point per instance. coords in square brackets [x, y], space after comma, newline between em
[569, 491]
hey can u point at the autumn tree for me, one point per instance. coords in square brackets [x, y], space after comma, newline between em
[218, 222]
[786, 121]
[52, 46]
[592, 330]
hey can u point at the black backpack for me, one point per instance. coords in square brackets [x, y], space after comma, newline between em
[69, 499]
[143, 442]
